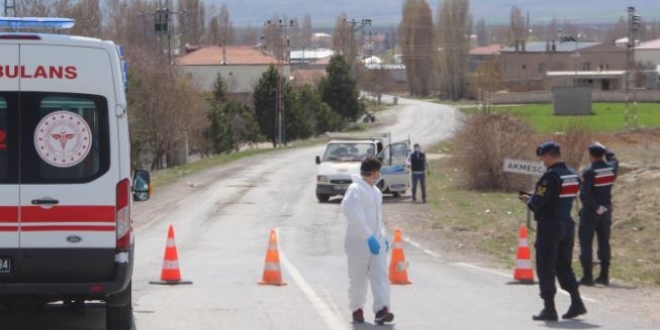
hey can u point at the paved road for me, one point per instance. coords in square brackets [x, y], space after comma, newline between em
[222, 218]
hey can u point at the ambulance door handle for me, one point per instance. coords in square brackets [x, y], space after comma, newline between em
[45, 202]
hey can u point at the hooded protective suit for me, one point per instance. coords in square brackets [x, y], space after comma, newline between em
[362, 208]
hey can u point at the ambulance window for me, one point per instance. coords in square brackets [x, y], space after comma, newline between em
[69, 138]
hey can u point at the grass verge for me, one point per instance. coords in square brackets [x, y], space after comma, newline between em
[490, 220]
[607, 117]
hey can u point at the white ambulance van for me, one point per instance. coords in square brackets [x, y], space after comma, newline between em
[65, 177]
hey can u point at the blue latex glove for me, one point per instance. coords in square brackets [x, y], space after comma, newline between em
[374, 246]
[387, 246]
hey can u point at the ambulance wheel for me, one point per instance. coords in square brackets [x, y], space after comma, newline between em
[396, 194]
[323, 198]
[120, 317]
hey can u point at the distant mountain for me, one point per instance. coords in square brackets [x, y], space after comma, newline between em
[388, 12]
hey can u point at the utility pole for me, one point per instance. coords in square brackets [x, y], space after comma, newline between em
[280, 49]
[634, 26]
[162, 21]
[10, 8]
[355, 26]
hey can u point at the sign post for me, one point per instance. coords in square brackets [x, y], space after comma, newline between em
[532, 169]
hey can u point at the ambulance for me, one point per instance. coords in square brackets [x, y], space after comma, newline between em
[65, 177]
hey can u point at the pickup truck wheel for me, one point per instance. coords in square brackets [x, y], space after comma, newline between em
[323, 198]
[120, 317]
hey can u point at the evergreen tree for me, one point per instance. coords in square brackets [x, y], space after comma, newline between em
[243, 125]
[297, 118]
[219, 133]
[338, 90]
[265, 104]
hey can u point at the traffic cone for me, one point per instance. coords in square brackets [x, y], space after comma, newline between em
[398, 264]
[272, 273]
[524, 272]
[171, 273]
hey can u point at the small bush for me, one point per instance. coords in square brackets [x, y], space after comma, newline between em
[574, 137]
[482, 144]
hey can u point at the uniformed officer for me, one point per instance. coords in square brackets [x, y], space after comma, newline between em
[551, 203]
[596, 213]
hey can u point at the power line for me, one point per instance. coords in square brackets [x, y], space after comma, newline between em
[280, 48]
[355, 26]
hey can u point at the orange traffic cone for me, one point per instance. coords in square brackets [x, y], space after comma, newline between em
[398, 265]
[171, 274]
[272, 273]
[524, 272]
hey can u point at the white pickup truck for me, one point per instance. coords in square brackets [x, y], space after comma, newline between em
[344, 154]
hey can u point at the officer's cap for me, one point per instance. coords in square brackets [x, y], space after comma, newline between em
[597, 150]
[546, 147]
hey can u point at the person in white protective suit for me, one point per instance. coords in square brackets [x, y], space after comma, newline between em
[366, 243]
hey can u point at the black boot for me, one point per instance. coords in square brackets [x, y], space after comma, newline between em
[549, 313]
[604, 277]
[587, 277]
[577, 306]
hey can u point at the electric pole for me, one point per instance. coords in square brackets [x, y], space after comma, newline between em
[10, 8]
[634, 26]
[355, 26]
[162, 22]
[281, 46]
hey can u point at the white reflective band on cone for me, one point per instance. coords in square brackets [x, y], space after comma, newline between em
[523, 242]
[401, 266]
[170, 264]
[523, 264]
[171, 242]
[271, 266]
[397, 245]
[272, 246]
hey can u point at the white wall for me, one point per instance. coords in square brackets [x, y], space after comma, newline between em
[647, 55]
[239, 78]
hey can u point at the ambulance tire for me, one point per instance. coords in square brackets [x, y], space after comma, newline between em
[120, 317]
[323, 198]
[396, 194]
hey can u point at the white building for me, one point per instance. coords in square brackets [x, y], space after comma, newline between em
[241, 67]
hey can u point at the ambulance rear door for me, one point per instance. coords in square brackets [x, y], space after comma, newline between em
[9, 188]
[69, 164]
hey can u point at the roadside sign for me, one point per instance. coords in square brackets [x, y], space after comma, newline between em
[523, 167]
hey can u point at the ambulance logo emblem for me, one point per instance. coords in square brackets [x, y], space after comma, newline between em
[62, 139]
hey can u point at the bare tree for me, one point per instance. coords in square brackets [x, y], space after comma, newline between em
[191, 21]
[306, 31]
[455, 26]
[517, 27]
[418, 46]
[226, 26]
[482, 35]
[341, 36]
[487, 77]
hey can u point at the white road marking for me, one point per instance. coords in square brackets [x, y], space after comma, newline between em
[297, 187]
[464, 264]
[284, 207]
[326, 312]
[419, 246]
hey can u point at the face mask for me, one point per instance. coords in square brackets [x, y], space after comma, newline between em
[380, 178]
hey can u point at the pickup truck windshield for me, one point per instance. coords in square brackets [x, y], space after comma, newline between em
[348, 152]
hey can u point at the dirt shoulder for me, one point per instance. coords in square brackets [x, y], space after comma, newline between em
[482, 228]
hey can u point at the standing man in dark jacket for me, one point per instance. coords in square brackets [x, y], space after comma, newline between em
[551, 203]
[596, 213]
[419, 167]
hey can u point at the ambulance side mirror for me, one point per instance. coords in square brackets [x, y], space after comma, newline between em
[318, 160]
[142, 188]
